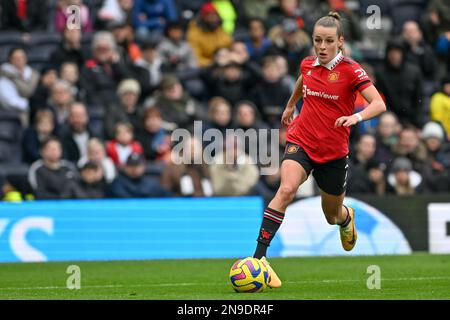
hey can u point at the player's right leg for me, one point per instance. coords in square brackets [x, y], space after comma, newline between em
[292, 176]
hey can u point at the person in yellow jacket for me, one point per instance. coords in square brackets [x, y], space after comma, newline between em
[15, 188]
[206, 35]
[440, 105]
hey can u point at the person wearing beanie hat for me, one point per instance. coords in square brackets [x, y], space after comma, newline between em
[440, 105]
[129, 85]
[433, 130]
[206, 35]
[436, 172]
[127, 110]
[403, 180]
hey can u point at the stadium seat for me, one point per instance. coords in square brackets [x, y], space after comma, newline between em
[45, 38]
[10, 137]
[10, 38]
[38, 58]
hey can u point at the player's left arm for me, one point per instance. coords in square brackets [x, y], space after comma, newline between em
[376, 106]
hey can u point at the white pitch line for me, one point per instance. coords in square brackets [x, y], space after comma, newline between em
[186, 284]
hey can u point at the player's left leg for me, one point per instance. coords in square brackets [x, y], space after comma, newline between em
[332, 180]
[337, 213]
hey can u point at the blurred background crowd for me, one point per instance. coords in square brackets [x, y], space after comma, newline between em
[88, 112]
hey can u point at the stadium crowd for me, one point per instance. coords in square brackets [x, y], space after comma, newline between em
[88, 112]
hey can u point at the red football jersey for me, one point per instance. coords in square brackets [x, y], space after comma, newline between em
[329, 92]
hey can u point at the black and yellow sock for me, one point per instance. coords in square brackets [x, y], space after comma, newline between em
[271, 223]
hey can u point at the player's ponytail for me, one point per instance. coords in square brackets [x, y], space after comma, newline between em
[332, 20]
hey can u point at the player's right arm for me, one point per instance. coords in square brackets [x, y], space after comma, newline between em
[288, 113]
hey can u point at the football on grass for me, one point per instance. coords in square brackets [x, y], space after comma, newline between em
[249, 275]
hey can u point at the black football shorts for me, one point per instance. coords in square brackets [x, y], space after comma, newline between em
[331, 177]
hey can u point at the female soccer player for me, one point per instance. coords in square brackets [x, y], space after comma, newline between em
[318, 137]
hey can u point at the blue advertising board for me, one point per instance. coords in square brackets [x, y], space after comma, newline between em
[129, 229]
[181, 229]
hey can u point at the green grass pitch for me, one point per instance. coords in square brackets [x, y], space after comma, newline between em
[417, 276]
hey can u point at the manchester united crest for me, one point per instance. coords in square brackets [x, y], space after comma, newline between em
[292, 149]
[333, 76]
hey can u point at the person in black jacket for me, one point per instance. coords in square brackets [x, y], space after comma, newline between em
[34, 135]
[127, 110]
[75, 134]
[24, 15]
[92, 184]
[69, 50]
[401, 82]
[51, 177]
[133, 183]
[271, 94]
[101, 75]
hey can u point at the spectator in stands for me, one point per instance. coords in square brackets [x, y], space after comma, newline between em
[387, 134]
[69, 72]
[178, 108]
[228, 77]
[115, 11]
[184, 177]
[60, 100]
[49, 75]
[365, 173]
[176, 53]
[75, 134]
[436, 19]
[219, 115]
[271, 94]
[239, 54]
[247, 117]
[91, 184]
[257, 43]
[206, 35]
[401, 82]
[403, 180]
[288, 9]
[234, 172]
[70, 49]
[436, 172]
[442, 48]
[24, 15]
[440, 105]
[291, 42]
[410, 146]
[256, 8]
[418, 52]
[64, 15]
[153, 137]
[133, 183]
[101, 75]
[18, 82]
[151, 62]
[127, 110]
[96, 153]
[150, 17]
[124, 37]
[15, 188]
[51, 177]
[42, 128]
[123, 144]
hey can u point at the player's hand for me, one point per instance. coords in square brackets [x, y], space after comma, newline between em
[346, 121]
[288, 115]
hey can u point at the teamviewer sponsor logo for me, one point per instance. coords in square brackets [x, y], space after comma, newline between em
[320, 94]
